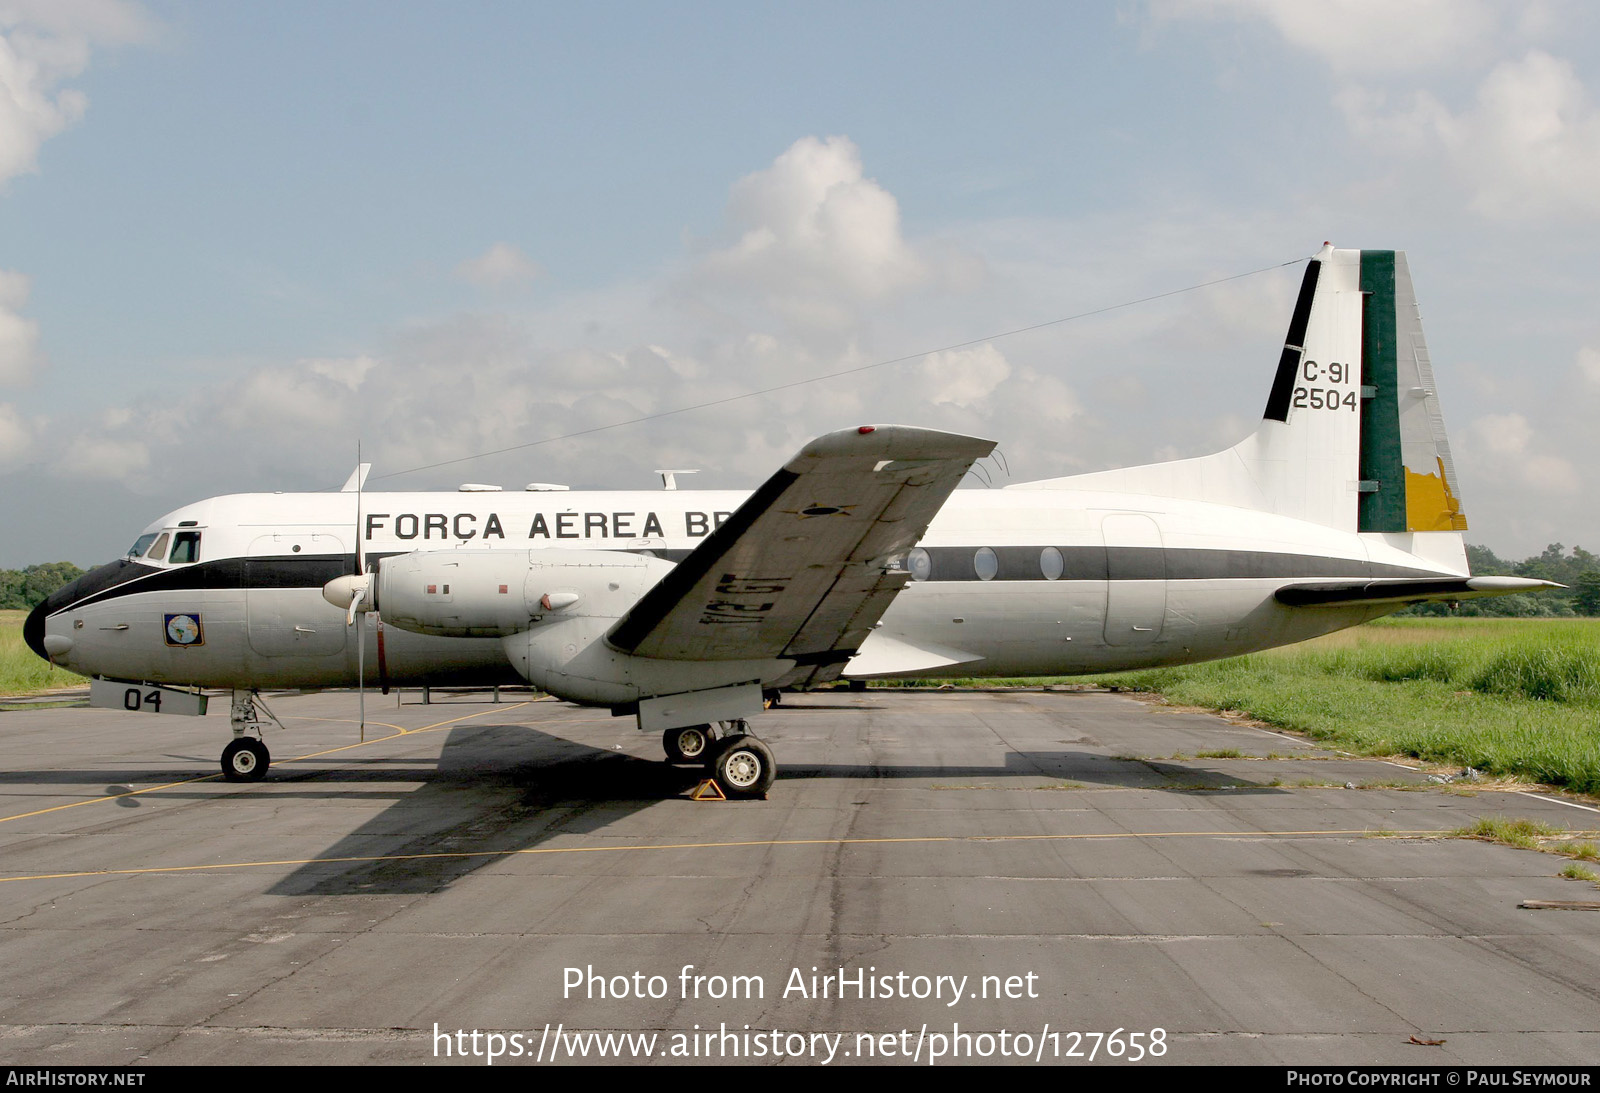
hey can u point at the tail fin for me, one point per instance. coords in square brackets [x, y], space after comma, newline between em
[1352, 437]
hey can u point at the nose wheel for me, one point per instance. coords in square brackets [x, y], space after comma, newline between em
[246, 757]
[245, 760]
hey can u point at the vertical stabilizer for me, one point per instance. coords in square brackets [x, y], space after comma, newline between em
[1304, 457]
[1352, 437]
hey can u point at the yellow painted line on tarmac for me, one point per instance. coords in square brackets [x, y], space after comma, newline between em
[397, 734]
[404, 732]
[459, 855]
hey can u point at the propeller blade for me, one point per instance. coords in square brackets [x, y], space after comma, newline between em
[361, 671]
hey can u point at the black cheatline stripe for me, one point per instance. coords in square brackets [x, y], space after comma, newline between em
[665, 596]
[949, 564]
[1294, 344]
[1091, 563]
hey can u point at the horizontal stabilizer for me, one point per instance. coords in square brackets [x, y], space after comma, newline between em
[802, 569]
[1404, 590]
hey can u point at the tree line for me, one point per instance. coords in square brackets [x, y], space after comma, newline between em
[1578, 570]
[25, 589]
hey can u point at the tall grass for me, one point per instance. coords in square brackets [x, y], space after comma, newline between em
[20, 670]
[1516, 697]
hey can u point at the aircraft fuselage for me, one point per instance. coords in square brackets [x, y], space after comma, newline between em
[1005, 582]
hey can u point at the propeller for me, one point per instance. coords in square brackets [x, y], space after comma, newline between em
[353, 591]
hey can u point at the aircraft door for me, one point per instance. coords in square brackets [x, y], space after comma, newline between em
[283, 578]
[1136, 579]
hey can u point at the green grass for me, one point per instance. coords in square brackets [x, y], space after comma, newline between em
[1514, 698]
[1528, 834]
[1510, 697]
[21, 671]
[1578, 872]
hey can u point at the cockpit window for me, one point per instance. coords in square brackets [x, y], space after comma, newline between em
[185, 547]
[141, 544]
[159, 551]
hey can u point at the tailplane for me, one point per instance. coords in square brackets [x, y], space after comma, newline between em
[1352, 437]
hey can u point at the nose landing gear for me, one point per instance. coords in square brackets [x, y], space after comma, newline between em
[246, 757]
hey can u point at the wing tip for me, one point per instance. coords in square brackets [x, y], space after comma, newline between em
[895, 442]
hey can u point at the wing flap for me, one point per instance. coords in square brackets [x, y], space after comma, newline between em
[800, 570]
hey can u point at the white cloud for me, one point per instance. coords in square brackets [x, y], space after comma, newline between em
[43, 43]
[19, 336]
[348, 371]
[1527, 146]
[16, 438]
[964, 377]
[1535, 139]
[1361, 36]
[1528, 149]
[817, 238]
[1589, 365]
[1509, 438]
[104, 457]
[501, 264]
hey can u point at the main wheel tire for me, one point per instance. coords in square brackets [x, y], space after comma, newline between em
[689, 744]
[743, 767]
[245, 760]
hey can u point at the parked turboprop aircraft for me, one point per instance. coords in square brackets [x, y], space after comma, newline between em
[858, 558]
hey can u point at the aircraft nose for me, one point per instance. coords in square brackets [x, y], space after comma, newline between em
[33, 625]
[96, 580]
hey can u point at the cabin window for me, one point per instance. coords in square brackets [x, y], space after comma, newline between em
[920, 564]
[1051, 564]
[159, 550]
[185, 548]
[986, 564]
[141, 545]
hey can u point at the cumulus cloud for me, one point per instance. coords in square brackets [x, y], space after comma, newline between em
[1528, 149]
[1524, 148]
[19, 336]
[434, 391]
[500, 265]
[1589, 365]
[1361, 36]
[1509, 438]
[964, 377]
[42, 44]
[817, 239]
[16, 438]
[105, 453]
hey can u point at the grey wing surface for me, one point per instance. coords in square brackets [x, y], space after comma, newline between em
[802, 569]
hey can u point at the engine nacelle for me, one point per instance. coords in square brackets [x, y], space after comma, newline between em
[552, 609]
[493, 593]
[570, 659]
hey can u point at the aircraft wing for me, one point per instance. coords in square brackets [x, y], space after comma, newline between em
[1403, 590]
[799, 571]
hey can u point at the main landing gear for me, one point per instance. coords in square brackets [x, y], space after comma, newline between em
[246, 757]
[740, 764]
[688, 744]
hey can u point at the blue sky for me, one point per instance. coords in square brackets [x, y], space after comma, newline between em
[236, 239]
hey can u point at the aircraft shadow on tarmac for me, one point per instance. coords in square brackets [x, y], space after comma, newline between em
[501, 789]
